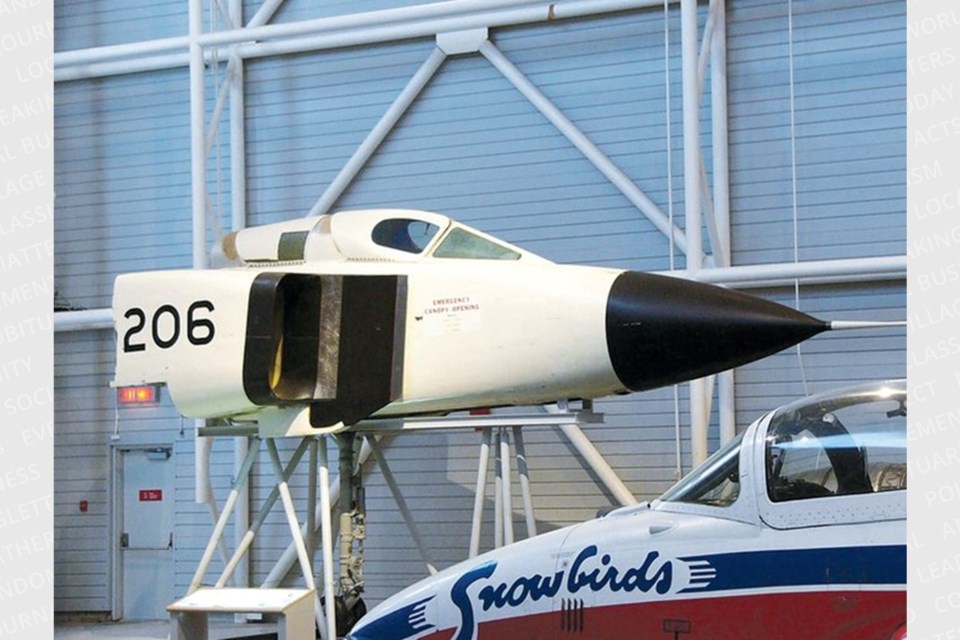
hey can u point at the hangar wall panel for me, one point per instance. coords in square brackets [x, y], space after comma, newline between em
[122, 181]
[472, 147]
[97, 23]
[850, 123]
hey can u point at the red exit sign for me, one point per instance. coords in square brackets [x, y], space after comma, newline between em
[151, 495]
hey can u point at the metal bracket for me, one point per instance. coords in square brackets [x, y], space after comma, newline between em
[455, 43]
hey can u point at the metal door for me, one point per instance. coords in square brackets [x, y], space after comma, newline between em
[146, 536]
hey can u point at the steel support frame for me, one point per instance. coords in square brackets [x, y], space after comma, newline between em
[699, 201]
[499, 439]
[324, 619]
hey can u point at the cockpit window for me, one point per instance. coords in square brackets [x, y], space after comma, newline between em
[460, 243]
[838, 445]
[404, 234]
[716, 482]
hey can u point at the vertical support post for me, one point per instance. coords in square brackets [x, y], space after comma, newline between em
[238, 153]
[497, 493]
[719, 128]
[198, 173]
[238, 215]
[198, 159]
[478, 495]
[326, 619]
[691, 194]
[506, 487]
[721, 191]
[524, 473]
[726, 383]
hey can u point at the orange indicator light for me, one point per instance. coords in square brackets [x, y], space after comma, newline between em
[146, 394]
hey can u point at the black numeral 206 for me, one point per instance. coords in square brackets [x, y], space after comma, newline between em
[200, 331]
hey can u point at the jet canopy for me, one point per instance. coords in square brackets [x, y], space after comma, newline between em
[379, 235]
[844, 443]
[838, 444]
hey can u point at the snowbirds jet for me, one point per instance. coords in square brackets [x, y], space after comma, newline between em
[794, 530]
[325, 321]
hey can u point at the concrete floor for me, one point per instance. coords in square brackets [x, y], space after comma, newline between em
[153, 630]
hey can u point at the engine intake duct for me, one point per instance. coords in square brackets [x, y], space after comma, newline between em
[333, 342]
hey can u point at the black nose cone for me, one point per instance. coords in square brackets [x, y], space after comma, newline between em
[663, 330]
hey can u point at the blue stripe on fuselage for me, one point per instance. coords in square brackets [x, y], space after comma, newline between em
[802, 567]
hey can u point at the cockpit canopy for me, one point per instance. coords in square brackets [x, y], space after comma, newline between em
[833, 444]
[381, 235]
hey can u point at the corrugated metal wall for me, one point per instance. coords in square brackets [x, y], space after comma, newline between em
[850, 114]
[472, 147]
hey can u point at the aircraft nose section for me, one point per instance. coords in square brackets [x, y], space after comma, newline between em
[663, 330]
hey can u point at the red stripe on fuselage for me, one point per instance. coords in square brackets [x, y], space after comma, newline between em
[827, 615]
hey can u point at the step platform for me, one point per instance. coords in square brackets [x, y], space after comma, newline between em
[295, 608]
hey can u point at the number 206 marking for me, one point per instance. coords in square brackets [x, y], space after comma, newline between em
[200, 331]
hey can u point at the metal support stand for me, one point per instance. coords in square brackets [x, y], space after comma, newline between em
[524, 473]
[191, 610]
[341, 593]
[497, 493]
[503, 488]
[328, 631]
[505, 484]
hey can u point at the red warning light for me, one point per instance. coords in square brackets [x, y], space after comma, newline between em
[146, 394]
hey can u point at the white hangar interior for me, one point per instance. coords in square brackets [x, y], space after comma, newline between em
[770, 135]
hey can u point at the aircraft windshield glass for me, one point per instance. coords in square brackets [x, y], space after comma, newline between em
[716, 482]
[404, 234]
[460, 243]
[834, 445]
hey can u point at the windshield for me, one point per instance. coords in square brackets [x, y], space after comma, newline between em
[716, 482]
[847, 443]
[460, 243]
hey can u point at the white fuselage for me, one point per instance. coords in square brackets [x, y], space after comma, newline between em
[750, 566]
[475, 334]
